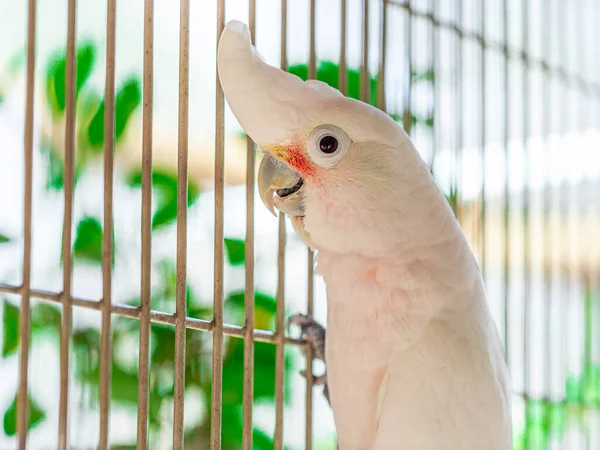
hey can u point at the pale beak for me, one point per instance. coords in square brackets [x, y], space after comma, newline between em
[279, 186]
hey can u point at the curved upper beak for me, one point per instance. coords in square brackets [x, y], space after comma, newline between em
[279, 186]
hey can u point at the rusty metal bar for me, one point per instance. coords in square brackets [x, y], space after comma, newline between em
[134, 312]
[381, 103]
[145, 297]
[107, 242]
[182, 198]
[343, 74]
[25, 291]
[69, 175]
[365, 85]
[248, 394]
[217, 322]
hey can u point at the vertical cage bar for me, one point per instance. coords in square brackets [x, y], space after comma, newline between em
[312, 57]
[381, 104]
[506, 228]
[182, 198]
[563, 107]
[107, 242]
[69, 175]
[527, 268]
[458, 112]
[249, 287]
[483, 139]
[365, 86]
[25, 319]
[217, 322]
[407, 114]
[547, 202]
[309, 354]
[145, 298]
[433, 61]
[343, 74]
[280, 301]
[280, 337]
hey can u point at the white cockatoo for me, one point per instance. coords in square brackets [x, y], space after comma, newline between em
[414, 359]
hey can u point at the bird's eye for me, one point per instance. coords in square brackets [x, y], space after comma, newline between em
[328, 144]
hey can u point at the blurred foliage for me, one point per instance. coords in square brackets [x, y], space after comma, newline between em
[35, 416]
[88, 241]
[236, 251]
[164, 185]
[90, 111]
[328, 72]
[87, 248]
[546, 420]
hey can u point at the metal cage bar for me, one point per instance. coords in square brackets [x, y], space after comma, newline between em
[573, 82]
[25, 290]
[107, 243]
[217, 322]
[69, 175]
[279, 335]
[146, 294]
[249, 286]
[182, 198]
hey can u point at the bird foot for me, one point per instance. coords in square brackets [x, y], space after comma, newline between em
[314, 334]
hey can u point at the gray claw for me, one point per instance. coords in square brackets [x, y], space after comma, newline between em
[314, 334]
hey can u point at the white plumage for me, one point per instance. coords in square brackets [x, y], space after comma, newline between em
[414, 359]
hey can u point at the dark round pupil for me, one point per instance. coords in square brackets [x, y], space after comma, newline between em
[328, 144]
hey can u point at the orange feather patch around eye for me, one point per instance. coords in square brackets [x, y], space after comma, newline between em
[293, 154]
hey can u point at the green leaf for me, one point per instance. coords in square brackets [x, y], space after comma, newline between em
[127, 99]
[88, 241]
[264, 372]
[86, 57]
[236, 251]
[45, 317]
[261, 441]
[265, 308]
[328, 72]
[10, 328]
[55, 172]
[34, 413]
[4, 239]
[57, 72]
[55, 82]
[164, 184]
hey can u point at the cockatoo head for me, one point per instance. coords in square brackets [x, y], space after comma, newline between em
[338, 167]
